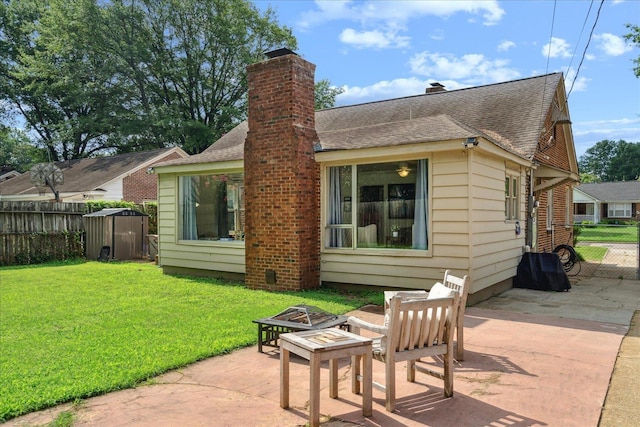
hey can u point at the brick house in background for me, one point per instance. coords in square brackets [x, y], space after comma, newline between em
[595, 202]
[387, 194]
[122, 177]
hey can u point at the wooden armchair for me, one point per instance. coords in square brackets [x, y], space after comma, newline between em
[417, 328]
[449, 281]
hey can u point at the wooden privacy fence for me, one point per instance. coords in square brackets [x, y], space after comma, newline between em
[34, 248]
[41, 217]
[34, 232]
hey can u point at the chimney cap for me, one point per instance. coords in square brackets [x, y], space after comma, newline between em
[435, 87]
[283, 51]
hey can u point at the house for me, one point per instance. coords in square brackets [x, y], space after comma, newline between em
[606, 200]
[8, 174]
[386, 194]
[121, 177]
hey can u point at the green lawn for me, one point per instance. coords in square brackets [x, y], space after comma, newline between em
[72, 331]
[614, 234]
[591, 253]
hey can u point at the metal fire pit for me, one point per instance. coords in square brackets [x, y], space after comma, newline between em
[293, 319]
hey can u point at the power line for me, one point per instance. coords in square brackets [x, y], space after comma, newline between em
[584, 53]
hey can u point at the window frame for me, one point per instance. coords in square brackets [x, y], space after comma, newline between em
[626, 209]
[512, 196]
[237, 213]
[354, 201]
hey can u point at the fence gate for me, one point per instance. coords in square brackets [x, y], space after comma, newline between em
[609, 250]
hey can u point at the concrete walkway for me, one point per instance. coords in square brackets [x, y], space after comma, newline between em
[533, 358]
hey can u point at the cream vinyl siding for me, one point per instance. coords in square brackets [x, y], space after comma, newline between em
[469, 234]
[449, 244]
[202, 255]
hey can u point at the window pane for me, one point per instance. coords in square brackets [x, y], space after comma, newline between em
[211, 207]
[383, 206]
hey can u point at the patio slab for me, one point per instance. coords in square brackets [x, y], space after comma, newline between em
[549, 366]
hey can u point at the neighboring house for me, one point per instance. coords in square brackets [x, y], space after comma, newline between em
[386, 194]
[606, 200]
[121, 177]
[8, 175]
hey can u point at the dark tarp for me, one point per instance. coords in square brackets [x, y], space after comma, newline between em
[541, 271]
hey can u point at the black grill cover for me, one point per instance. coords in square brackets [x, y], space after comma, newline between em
[541, 271]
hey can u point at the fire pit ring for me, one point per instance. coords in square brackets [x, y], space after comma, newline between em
[293, 319]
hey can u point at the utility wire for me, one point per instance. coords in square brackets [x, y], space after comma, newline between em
[584, 24]
[584, 53]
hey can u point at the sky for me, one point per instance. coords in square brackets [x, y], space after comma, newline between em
[377, 50]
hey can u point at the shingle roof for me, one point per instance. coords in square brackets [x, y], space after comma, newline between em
[85, 174]
[622, 191]
[509, 114]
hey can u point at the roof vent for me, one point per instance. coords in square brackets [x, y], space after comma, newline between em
[279, 52]
[435, 87]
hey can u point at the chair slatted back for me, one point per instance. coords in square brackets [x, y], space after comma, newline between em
[419, 323]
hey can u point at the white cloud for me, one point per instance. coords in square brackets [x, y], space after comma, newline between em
[389, 89]
[505, 45]
[572, 84]
[612, 45]
[556, 48]
[393, 14]
[376, 39]
[474, 68]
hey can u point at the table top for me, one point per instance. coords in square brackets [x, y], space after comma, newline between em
[325, 339]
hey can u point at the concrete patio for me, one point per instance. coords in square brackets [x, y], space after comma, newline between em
[533, 358]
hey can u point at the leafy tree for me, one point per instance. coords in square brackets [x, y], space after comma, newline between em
[325, 94]
[95, 77]
[16, 152]
[587, 178]
[612, 161]
[634, 37]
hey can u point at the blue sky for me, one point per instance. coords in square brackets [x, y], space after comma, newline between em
[387, 49]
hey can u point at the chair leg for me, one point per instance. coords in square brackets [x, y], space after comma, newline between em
[411, 371]
[390, 385]
[460, 343]
[448, 371]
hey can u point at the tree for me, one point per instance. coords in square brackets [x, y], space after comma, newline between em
[634, 37]
[96, 77]
[16, 152]
[612, 161]
[325, 94]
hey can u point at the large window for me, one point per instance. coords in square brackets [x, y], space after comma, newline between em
[379, 205]
[211, 207]
[511, 197]
[619, 210]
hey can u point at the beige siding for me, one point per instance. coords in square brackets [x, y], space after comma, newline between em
[225, 257]
[495, 250]
[469, 231]
[449, 247]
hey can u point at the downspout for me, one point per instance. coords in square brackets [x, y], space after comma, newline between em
[530, 211]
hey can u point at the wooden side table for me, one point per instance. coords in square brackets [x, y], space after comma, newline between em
[317, 346]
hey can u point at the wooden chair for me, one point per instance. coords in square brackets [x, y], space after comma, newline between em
[460, 285]
[418, 327]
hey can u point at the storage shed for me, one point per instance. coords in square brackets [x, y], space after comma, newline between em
[123, 231]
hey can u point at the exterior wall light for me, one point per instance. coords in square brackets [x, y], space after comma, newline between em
[470, 143]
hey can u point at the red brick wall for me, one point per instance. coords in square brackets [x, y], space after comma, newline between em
[141, 186]
[554, 153]
[282, 228]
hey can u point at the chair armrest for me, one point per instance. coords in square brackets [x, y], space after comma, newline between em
[363, 324]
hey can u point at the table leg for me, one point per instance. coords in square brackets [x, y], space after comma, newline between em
[333, 378]
[284, 378]
[367, 384]
[355, 373]
[260, 337]
[314, 391]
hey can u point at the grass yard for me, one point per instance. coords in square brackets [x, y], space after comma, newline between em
[608, 233]
[591, 253]
[72, 331]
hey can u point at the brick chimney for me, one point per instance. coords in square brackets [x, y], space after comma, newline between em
[282, 179]
[435, 87]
